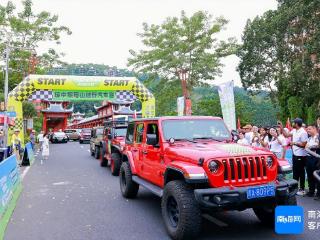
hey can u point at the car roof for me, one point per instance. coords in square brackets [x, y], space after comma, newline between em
[176, 118]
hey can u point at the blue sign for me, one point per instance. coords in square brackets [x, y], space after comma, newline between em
[11, 114]
[289, 220]
[9, 181]
[29, 152]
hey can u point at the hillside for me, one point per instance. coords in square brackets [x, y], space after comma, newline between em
[256, 109]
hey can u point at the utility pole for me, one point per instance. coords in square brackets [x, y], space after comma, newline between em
[6, 83]
[6, 77]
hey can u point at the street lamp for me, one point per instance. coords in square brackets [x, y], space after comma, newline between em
[184, 76]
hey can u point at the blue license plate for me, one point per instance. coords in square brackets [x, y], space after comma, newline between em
[261, 191]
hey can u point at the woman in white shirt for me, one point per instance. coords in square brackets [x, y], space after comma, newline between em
[264, 138]
[277, 144]
[45, 148]
[242, 139]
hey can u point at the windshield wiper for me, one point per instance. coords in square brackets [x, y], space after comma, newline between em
[211, 138]
[185, 139]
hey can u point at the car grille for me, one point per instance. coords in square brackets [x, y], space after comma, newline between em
[244, 169]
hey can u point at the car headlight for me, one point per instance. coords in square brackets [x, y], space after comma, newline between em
[213, 166]
[269, 162]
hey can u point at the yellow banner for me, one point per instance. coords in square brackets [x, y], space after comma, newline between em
[81, 82]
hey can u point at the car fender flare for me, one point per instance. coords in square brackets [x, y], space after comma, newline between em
[129, 156]
[192, 173]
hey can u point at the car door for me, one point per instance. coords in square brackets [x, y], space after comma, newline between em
[151, 155]
[137, 147]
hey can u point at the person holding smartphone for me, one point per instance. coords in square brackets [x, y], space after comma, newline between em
[277, 144]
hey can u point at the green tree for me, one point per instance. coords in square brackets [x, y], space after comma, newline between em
[185, 43]
[281, 52]
[28, 110]
[24, 31]
[37, 123]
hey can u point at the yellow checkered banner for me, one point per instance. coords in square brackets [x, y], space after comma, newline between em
[33, 83]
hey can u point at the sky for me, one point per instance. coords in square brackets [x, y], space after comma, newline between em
[105, 30]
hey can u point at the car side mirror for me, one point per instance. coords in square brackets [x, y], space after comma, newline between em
[152, 140]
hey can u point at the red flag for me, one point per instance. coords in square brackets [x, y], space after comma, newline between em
[288, 124]
[238, 124]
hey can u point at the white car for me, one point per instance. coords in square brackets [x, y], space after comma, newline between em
[59, 137]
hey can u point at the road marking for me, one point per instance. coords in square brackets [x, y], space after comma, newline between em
[81, 146]
[24, 172]
[88, 150]
[215, 220]
[61, 183]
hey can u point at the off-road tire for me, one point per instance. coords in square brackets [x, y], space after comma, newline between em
[129, 188]
[115, 164]
[189, 221]
[103, 160]
[96, 152]
[266, 214]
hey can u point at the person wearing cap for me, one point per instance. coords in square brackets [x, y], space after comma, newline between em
[299, 156]
[16, 145]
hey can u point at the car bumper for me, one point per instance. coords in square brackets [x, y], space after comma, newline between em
[236, 198]
[59, 140]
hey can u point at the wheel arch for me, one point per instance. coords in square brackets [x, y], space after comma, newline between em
[172, 174]
[183, 171]
[127, 157]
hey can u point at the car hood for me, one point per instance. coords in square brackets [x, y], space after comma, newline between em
[208, 150]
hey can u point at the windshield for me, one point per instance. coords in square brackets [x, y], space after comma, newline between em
[86, 130]
[99, 131]
[121, 131]
[69, 131]
[59, 134]
[193, 129]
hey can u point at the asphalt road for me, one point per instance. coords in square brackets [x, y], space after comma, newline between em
[71, 197]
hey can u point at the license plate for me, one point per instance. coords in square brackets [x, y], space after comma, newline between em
[261, 191]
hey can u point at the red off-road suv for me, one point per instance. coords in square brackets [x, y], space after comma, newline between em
[112, 145]
[191, 163]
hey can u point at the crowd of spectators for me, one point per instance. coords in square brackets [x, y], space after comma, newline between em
[302, 140]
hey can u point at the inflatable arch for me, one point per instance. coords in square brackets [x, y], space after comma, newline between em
[61, 85]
